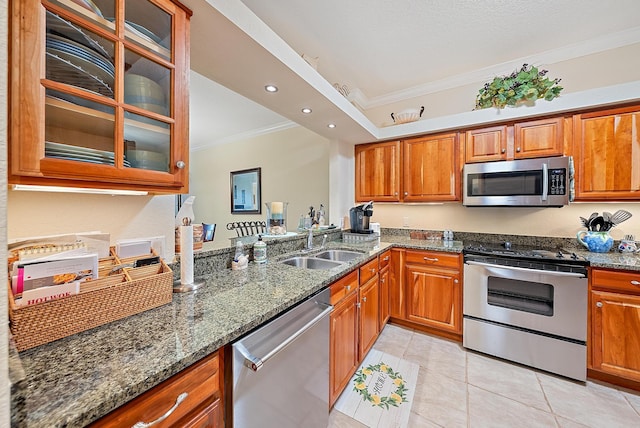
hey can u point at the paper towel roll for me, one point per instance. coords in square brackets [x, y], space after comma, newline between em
[186, 254]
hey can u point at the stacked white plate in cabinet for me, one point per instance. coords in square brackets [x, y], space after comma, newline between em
[81, 154]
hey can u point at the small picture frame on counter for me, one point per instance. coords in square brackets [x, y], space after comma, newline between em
[208, 232]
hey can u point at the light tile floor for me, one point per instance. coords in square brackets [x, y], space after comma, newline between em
[460, 388]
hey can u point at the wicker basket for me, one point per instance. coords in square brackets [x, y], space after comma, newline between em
[106, 299]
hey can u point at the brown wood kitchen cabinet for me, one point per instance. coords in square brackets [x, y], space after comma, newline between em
[433, 290]
[195, 395]
[397, 301]
[431, 168]
[369, 306]
[384, 260]
[530, 139]
[96, 101]
[425, 169]
[378, 172]
[343, 342]
[606, 154]
[614, 345]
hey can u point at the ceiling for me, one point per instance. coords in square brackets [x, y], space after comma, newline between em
[383, 51]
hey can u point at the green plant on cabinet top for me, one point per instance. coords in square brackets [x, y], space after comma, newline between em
[526, 84]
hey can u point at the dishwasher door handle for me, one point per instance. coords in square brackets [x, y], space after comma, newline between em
[255, 363]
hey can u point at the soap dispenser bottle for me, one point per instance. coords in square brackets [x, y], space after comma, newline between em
[260, 251]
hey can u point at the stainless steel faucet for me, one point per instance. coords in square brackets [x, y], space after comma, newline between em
[324, 240]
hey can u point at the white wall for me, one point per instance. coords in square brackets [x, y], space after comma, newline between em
[295, 169]
[43, 213]
[4, 385]
[341, 185]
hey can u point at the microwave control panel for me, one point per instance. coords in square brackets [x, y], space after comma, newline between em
[557, 181]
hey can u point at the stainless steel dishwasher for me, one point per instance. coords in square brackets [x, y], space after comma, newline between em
[281, 370]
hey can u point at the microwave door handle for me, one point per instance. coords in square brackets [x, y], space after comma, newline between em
[545, 181]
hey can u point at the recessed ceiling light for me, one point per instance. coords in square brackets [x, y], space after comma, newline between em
[306, 110]
[331, 125]
[271, 88]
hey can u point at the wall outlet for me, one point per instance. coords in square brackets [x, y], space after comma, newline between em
[405, 221]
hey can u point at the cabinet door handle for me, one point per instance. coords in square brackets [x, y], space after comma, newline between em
[179, 400]
[455, 281]
[518, 150]
[406, 193]
[364, 299]
[382, 280]
[395, 193]
[180, 164]
[599, 304]
[634, 282]
[503, 151]
[429, 259]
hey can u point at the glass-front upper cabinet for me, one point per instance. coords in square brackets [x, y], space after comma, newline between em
[102, 100]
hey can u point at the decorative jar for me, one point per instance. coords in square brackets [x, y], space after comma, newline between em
[597, 242]
[276, 218]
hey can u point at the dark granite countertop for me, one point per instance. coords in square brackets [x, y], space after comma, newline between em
[76, 380]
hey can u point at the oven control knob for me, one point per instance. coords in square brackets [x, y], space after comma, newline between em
[507, 245]
[599, 304]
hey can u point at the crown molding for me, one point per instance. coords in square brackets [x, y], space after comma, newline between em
[257, 132]
[600, 44]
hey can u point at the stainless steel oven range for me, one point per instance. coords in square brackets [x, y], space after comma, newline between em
[527, 305]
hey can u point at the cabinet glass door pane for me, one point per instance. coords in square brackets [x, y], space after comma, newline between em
[78, 57]
[78, 129]
[147, 142]
[96, 10]
[146, 84]
[148, 26]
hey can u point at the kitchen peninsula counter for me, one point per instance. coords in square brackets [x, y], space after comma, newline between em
[78, 379]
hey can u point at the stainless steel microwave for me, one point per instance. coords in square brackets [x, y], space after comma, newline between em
[542, 182]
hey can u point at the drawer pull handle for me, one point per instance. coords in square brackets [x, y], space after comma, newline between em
[599, 304]
[372, 270]
[429, 259]
[348, 287]
[634, 282]
[179, 400]
[386, 259]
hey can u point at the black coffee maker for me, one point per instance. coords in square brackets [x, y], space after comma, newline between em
[359, 217]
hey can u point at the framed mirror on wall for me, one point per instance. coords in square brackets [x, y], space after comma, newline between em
[246, 192]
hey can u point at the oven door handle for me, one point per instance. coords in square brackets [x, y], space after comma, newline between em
[546, 272]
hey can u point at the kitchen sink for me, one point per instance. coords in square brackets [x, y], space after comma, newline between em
[311, 263]
[339, 255]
